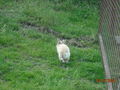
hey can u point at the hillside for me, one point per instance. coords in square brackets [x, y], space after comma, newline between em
[28, 35]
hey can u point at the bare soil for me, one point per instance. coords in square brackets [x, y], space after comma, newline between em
[82, 41]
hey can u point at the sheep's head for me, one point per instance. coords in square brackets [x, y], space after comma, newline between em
[59, 41]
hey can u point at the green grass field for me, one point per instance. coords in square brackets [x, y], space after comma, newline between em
[28, 35]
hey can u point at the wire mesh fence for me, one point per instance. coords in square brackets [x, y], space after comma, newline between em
[109, 37]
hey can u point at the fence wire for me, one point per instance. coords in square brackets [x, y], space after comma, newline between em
[109, 36]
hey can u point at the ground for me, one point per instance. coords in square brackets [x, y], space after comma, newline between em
[28, 35]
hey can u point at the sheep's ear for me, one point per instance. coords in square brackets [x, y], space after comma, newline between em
[64, 41]
[58, 41]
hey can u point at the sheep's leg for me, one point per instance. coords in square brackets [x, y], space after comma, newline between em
[60, 58]
[63, 61]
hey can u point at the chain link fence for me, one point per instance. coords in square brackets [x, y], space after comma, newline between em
[109, 37]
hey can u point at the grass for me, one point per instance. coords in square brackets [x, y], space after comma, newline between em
[28, 58]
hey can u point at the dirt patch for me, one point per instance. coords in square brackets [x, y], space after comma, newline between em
[39, 28]
[77, 42]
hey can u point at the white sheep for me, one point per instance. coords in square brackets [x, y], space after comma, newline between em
[63, 51]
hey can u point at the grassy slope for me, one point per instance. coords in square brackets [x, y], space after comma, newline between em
[28, 58]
